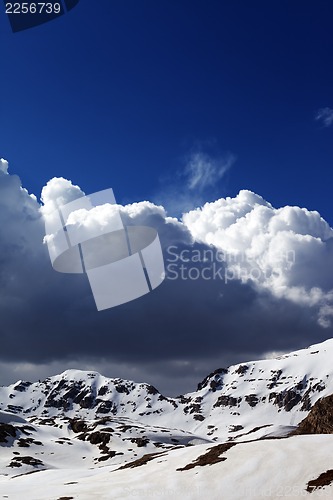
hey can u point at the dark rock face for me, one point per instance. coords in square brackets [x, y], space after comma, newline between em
[140, 441]
[107, 407]
[14, 409]
[213, 379]
[325, 479]
[99, 437]
[252, 400]
[286, 399]
[22, 386]
[319, 420]
[199, 417]
[19, 461]
[151, 389]
[78, 425]
[121, 388]
[242, 369]
[212, 456]
[193, 408]
[276, 374]
[227, 401]
[236, 428]
[6, 430]
[103, 390]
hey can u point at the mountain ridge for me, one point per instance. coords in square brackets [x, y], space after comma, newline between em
[78, 427]
[277, 392]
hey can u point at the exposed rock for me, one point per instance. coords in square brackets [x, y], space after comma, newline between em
[325, 479]
[276, 374]
[251, 431]
[140, 441]
[241, 369]
[6, 430]
[306, 401]
[206, 380]
[121, 388]
[99, 437]
[22, 386]
[286, 399]
[19, 461]
[193, 408]
[184, 399]
[25, 442]
[199, 417]
[107, 407]
[103, 390]
[140, 461]
[319, 420]
[227, 401]
[235, 428]
[211, 457]
[108, 454]
[78, 425]
[14, 409]
[151, 389]
[252, 399]
[214, 385]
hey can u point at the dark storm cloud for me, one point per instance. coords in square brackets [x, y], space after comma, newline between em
[179, 332]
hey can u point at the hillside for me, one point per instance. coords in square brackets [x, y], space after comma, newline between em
[78, 427]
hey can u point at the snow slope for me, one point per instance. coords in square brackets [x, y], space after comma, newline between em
[77, 429]
[259, 469]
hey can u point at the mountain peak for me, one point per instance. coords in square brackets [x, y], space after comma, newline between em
[277, 391]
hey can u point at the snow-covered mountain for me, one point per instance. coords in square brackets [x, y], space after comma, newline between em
[270, 392]
[78, 422]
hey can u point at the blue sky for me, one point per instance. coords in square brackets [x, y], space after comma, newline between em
[121, 93]
[178, 102]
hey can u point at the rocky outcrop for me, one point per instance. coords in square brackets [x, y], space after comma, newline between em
[6, 431]
[319, 420]
[213, 380]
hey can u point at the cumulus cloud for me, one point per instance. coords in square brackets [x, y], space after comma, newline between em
[325, 115]
[3, 166]
[204, 314]
[287, 251]
[57, 192]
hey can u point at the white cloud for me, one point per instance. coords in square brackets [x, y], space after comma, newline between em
[203, 171]
[287, 251]
[57, 192]
[50, 319]
[274, 354]
[325, 115]
[3, 166]
[98, 217]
